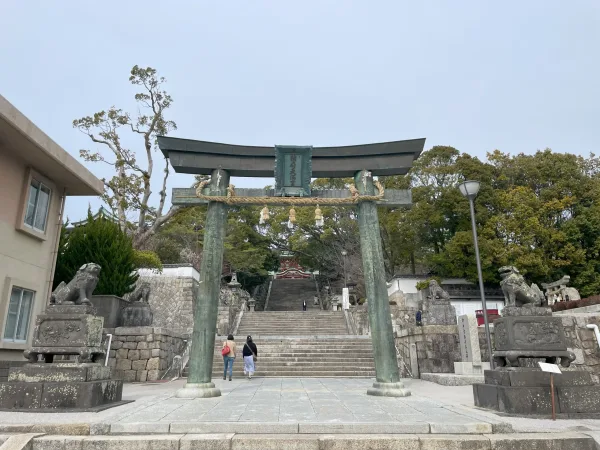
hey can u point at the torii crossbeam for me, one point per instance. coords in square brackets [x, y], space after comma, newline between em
[293, 167]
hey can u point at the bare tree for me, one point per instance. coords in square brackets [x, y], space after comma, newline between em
[129, 190]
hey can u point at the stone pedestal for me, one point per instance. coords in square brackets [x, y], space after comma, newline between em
[44, 385]
[524, 336]
[252, 304]
[137, 314]
[525, 392]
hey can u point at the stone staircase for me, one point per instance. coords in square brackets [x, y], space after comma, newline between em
[287, 295]
[332, 356]
[293, 323]
[296, 343]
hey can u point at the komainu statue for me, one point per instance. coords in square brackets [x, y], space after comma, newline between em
[515, 289]
[142, 293]
[80, 288]
[438, 295]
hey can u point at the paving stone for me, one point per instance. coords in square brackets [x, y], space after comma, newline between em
[362, 428]
[542, 441]
[444, 427]
[239, 427]
[58, 443]
[370, 442]
[152, 442]
[19, 441]
[68, 429]
[206, 442]
[274, 442]
[454, 442]
[139, 428]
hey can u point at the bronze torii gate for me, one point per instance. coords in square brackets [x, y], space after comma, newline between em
[293, 167]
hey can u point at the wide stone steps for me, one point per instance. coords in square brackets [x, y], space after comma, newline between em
[293, 323]
[187, 436]
[287, 295]
[302, 356]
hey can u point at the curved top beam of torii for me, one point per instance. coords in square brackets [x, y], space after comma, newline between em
[201, 157]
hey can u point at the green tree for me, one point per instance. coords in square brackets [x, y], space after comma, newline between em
[100, 241]
[129, 190]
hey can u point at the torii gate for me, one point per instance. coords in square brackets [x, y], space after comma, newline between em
[293, 167]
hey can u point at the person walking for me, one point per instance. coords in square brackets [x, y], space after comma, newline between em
[228, 353]
[303, 305]
[250, 353]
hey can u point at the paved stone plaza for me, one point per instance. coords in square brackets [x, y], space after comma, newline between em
[298, 413]
[296, 405]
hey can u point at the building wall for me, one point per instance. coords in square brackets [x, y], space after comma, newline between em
[26, 258]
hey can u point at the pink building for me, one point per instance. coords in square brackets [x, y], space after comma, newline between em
[36, 175]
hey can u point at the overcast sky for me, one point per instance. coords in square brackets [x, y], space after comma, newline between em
[478, 75]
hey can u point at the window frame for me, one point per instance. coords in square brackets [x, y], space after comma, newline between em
[34, 176]
[38, 305]
[41, 186]
[14, 339]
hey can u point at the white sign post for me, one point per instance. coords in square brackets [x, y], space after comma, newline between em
[551, 369]
[345, 299]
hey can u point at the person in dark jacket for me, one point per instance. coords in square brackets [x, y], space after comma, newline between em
[250, 354]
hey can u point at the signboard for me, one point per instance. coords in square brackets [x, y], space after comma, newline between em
[293, 171]
[345, 299]
[551, 368]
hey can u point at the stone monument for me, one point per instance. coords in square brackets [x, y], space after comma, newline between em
[70, 328]
[138, 313]
[470, 352]
[437, 309]
[526, 334]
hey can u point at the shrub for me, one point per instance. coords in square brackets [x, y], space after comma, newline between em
[589, 301]
[100, 241]
[147, 259]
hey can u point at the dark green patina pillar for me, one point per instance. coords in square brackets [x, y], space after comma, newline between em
[207, 298]
[382, 333]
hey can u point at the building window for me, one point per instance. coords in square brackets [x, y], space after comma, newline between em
[19, 312]
[38, 203]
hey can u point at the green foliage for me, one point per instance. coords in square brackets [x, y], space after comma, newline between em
[424, 284]
[100, 241]
[147, 259]
[537, 212]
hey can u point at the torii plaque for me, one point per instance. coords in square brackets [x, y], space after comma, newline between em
[293, 166]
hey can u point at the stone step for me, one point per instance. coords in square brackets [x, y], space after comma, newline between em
[328, 436]
[309, 373]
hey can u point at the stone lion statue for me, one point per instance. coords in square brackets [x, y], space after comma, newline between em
[437, 293]
[142, 293]
[79, 290]
[515, 289]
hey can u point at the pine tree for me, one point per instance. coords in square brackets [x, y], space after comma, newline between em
[100, 241]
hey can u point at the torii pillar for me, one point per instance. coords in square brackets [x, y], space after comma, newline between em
[382, 332]
[199, 384]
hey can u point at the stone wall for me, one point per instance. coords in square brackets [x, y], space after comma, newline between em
[143, 353]
[583, 342]
[172, 296]
[437, 348]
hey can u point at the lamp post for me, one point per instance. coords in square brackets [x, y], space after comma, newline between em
[344, 254]
[470, 189]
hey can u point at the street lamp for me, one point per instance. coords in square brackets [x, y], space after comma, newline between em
[344, 254]
[470, 189]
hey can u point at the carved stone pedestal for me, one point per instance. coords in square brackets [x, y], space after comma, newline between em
[530, 336]
[48, 385]
[137, 314]
[517, 387]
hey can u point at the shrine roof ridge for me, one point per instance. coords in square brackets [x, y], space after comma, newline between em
[201, 157]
